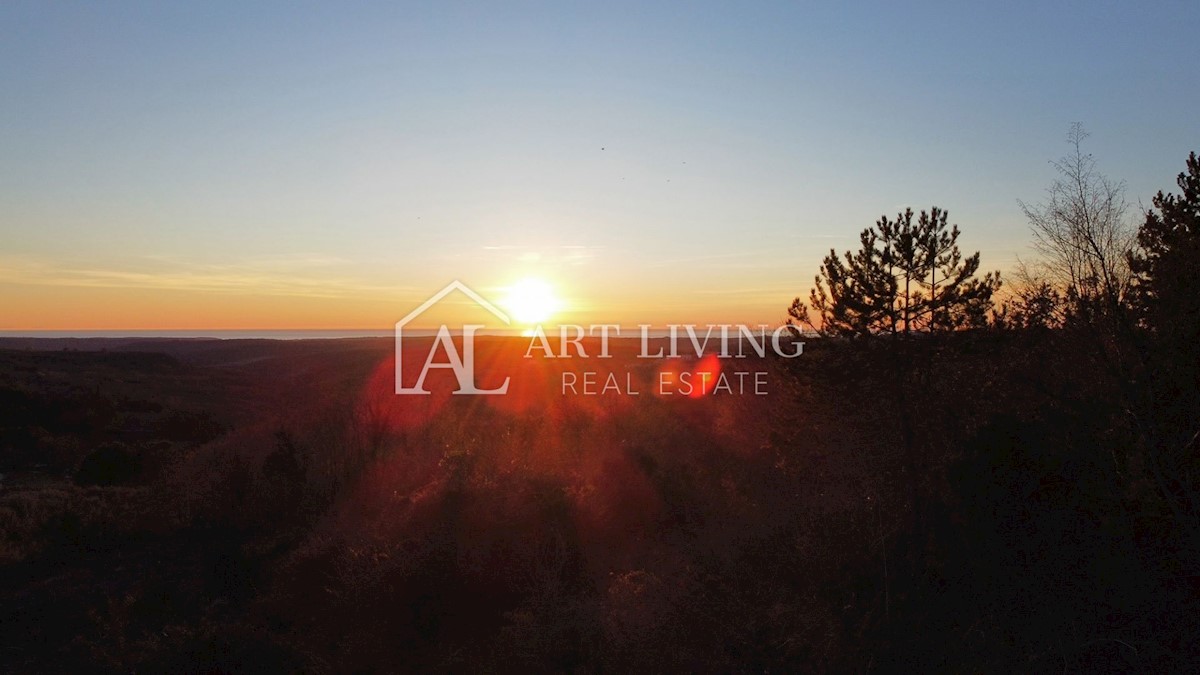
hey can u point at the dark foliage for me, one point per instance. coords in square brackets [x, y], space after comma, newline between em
[109, 464]
[976, 500]
[906, 277]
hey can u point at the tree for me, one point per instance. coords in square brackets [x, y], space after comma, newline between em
[1165, 287]
[1082, 234]
[1033, 302]
[906, 277]
[1166, 298]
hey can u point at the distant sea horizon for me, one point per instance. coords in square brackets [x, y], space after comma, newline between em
[279, 334]
[222, 334]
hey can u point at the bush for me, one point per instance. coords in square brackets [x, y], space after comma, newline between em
[109, 464]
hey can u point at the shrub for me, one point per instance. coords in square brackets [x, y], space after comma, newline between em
[109, 464]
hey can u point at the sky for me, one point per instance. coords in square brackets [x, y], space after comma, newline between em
[331, 165]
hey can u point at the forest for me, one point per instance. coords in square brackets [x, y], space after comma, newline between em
[961, 473]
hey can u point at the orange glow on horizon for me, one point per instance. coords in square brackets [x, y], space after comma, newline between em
[33, 307]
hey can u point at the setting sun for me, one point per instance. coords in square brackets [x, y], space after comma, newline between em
[531, 301]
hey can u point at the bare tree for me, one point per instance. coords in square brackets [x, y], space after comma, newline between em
[1081, 231]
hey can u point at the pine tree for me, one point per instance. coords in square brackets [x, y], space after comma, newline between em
[1166, 298]
[1166, 289]
[908, 276]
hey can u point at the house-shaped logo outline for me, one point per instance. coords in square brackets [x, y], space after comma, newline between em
[455, 285]
[449, 288]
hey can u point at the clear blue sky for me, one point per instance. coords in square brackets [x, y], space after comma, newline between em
[316, 165]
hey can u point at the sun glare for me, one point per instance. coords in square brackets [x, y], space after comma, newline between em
[531, 301]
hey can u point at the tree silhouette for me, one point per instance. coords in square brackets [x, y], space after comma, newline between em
[908, 276]
[1082, 235]
[1165, 286]
[1166, 298]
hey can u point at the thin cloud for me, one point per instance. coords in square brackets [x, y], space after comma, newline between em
[567, 254]
[760, 291]
[306, 276]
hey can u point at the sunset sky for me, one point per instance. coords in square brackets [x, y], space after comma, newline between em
[298, 166]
